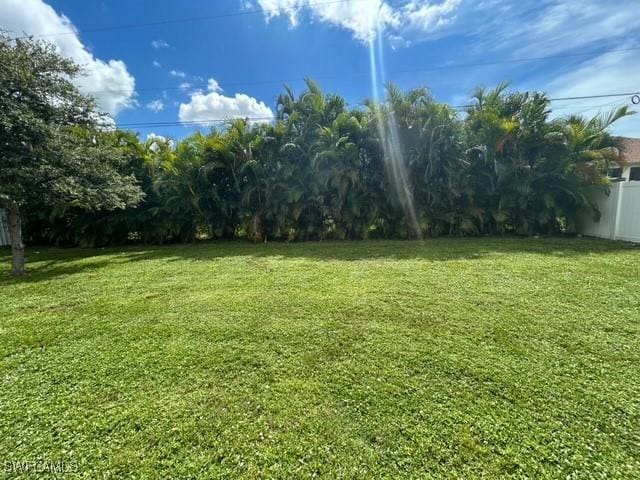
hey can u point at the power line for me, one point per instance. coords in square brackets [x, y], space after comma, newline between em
[519, 60]
[327, 77]
[628, 94]
[178, 123]
[206, 122]
[583, 108]
[398, 72]
[186, 19]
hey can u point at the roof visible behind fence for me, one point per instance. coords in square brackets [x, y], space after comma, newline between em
[630, 150]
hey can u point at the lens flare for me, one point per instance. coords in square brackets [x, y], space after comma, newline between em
[388, 131]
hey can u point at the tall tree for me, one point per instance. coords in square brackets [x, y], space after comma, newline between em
[404, 168]
[532, 174]
[54, 145]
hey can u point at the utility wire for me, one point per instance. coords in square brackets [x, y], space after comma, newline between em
[321, 77]
[326, 77]
[397, 72]
[191, 122]
[628, 94]
[186, 19]
[178, 123]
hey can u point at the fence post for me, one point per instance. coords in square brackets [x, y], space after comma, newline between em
[616, 223]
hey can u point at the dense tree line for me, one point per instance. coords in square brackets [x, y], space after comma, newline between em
[408, 167]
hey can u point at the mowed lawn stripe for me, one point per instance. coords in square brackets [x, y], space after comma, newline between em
[449, 357]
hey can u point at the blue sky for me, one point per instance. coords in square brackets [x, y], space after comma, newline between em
[221, 67]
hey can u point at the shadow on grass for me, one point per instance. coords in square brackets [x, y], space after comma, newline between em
[46, 263]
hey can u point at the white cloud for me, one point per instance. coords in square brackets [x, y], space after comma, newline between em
[155, 106]
[275, 8]
[246, 6]
[185, 86]
[365, 18]
[156, 64]
[108, 81]
[156, 140]
[579, 24]
[156, 137]
[213, 85]
[524, 29]
[214, 106]
[158, 44]
[177, 73]
[615, 72]
[426, 17]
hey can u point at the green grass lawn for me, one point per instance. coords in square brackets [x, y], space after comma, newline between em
[444, 358]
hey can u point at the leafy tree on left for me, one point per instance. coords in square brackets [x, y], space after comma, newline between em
[54, 146]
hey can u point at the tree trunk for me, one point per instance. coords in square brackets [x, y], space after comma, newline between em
[15, 233]
[256, 228]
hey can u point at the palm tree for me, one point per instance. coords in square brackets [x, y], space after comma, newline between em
[407, 167]
[177, 181]
[589, 151]
[337, 165]
[303, 121]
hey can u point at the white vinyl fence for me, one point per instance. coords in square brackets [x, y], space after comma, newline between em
[620, 214]
[4, 229]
